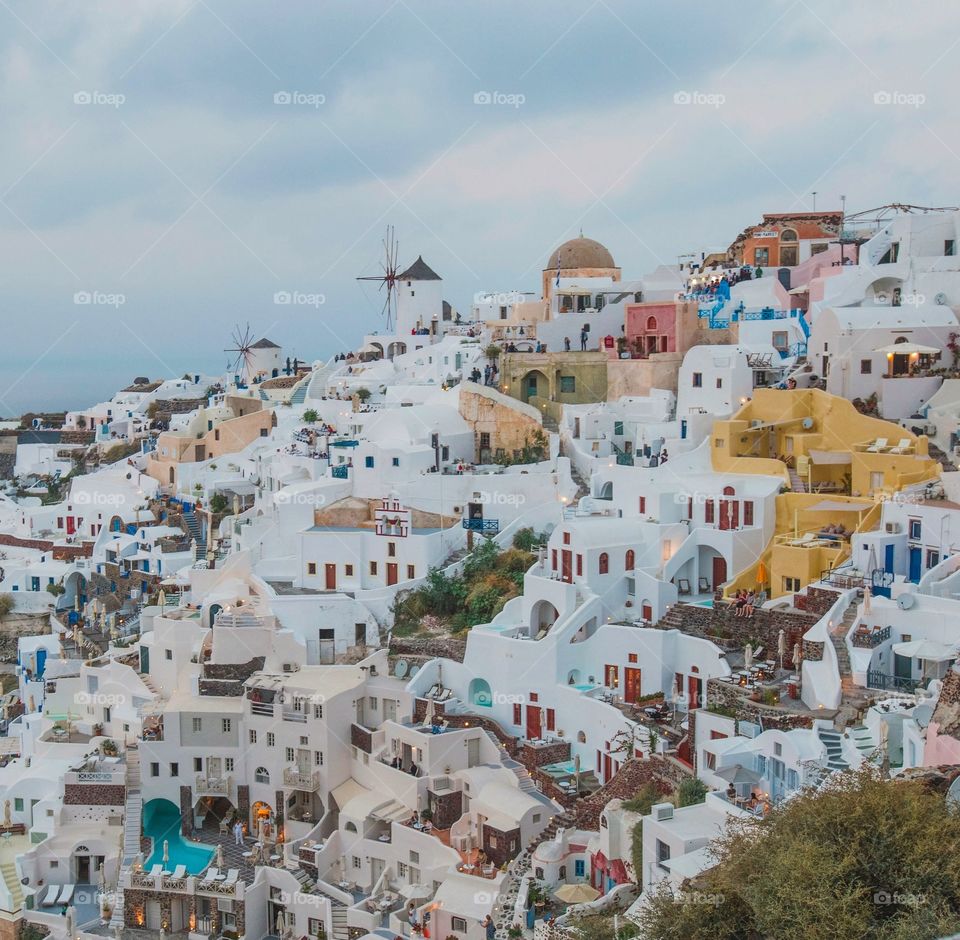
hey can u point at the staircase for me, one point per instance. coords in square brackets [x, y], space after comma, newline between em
[796, 482]
[550, 424]
[193, 526]
[299, 395]
[831, 740]
[338, 910]
[131, 829]
[9, 871]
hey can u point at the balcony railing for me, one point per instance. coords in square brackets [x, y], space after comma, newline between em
[290, 715]
[482, 525]
[261, 708]
[300, 780]
[219, 786]
[879, 680]
[870, 640]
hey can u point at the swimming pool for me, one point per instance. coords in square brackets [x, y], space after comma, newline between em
[586, 687]
[708, 603]
[560, 769]
[161, 820]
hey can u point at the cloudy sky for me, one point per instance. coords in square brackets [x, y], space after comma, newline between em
[179, 163]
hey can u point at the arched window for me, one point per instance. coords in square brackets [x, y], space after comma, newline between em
[630, 561]
[350, 827]
[262, 775]
[652, 323]
[581, 737]
[788, 235]
[729, 491]
[604, 563]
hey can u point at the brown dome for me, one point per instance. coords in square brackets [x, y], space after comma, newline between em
[581, 253]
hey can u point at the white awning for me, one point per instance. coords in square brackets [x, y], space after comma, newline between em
[348, 791]
[908, 349]
[824, 457]
[930, 650]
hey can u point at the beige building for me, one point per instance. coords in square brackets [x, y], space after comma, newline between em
[501, 424]
[211, 433]
[580, 257]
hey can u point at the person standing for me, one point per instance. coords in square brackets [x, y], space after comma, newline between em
[238, 833]
[583, 340]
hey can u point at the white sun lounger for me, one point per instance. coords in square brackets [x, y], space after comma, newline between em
[878, 445]
[180, 871]
[66, 894]
[212, 875]
[233, 875]
[48, 897]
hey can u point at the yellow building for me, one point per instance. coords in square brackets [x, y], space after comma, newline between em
[837, 467]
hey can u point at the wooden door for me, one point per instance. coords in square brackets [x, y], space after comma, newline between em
[566, 561]
[719, 571]
[391, 573]
[533, 721]
[631, 685]
[331, 577]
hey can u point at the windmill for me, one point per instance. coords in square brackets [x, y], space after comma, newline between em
[239, 363]
[388, 278]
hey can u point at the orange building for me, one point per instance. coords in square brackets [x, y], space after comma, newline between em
[786, 239]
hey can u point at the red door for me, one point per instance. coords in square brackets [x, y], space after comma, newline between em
[607, 768]
[331, 575]
[533, 721]
[719, 571]
[693, 692]
[391, 573]
[631, 685]
[566, 562]
[646, 612]
[71, 525]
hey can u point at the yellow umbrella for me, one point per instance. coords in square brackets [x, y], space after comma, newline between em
[761, 573]
[579, 893]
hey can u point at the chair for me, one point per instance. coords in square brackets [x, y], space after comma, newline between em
[212, 875]
[66, 893]
[904, 445]
[224, 826]
[48, 896]
[683, 586]
[232, 875]
[878, 445]
[703, 585]
[180, 871]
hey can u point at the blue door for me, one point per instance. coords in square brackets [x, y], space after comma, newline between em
[41, 662]
[888, 558]
[915, 559]
[683, 429]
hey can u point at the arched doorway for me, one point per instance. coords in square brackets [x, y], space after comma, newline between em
[479, 693]
[214, 610]
[534, 385]
[543, 615]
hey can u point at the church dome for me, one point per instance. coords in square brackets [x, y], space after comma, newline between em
[581, 253]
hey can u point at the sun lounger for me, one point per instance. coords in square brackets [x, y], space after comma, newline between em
[878, 445]
[66, 894]
[232, 875]
[180, 871]
[48, 897]
[901, 448]
[212, 875]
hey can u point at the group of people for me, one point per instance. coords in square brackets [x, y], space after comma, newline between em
[744, 603]
[397, 764]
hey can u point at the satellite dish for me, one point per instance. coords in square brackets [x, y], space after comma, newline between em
[906, 601]
[807, 423]
[940, 299]
[400, 669]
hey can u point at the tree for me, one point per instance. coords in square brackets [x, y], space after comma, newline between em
[310, 415]
[218, 503]
[492, 352]
[861, 857]
[7, 603]
[692, 790]
[362, 394]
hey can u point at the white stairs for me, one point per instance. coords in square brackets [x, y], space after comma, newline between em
[131, 828]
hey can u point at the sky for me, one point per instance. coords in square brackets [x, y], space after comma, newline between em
[167, 169]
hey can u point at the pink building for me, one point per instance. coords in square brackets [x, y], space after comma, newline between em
[651, 328]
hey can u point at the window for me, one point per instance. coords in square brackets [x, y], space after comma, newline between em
[174, 769]
[411, 572]
[568, 384]
[566, 538]
[318, 758]
[791, 584]
[780, 339]
[580, 868]
[368, 461]
[396, 461]
[228, 764]
[311, 567]
[698, 380]
[197, 725]
[748, 512]
[719, 383]
[551, 719]
[318, 711]
[710, 759]
[914, 528]
[289, 754]
[458, 925]
[401, 869]
[866, 366]
[226, 724]
[154, 769]
[373, 567]
[629, 561]
[253, 736]
[391, 549]
[18, 804]
[517, 713]
[778, 748]
[618, 428]
[348, 570]
[271, 739]
[709, 508]
[933, 558]
[663, 853]
[604, 563]
[793, 779]
[950, 247]
[632, 658]
[761, 256]
[198, 765]
[643, 505]
[484, 440]
[579, 564]
[261, 775]
[168, 654]
[611, 676]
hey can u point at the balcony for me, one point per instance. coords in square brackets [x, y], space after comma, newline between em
[341, 472]
[299, 780]
[868, 639]
[211, 786]
[290, 714]
[261, 708]
[482, 525]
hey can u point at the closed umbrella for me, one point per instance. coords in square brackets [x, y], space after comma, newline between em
[166, 852]
[429, 713]
[219, 856]
[71, 921]
[576, 772]
[761, 574]
[579, 893]
[748, 656]
[797, 655]
[782, 647]
[867, 594]
[7, 821]
[871, 560]
[281, 924]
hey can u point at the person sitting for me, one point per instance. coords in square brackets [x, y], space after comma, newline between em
[414, 770]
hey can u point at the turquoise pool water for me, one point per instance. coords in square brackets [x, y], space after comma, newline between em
[708, 603]
[161, 820]
[585, 688]
[560, 769]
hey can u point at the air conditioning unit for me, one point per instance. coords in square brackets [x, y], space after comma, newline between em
[663, 811]
[892, 528]
[225, 905]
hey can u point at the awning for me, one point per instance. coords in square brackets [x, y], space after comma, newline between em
[835, 457]
[348, 791]
[739, 774]
[930, 650]
[907, 349]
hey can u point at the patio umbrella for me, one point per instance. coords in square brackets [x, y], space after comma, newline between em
[166, 851]
[867, 594]
[576, 771]
[871, 560]
[219, 855]
[7, 821]
[930, 650]
[429, 713]
[748, 656]
[797, 655]
[281, 923]
[761, 574]
[907, 349]
[579, 893]
[71, 921]
[162, 598]
[101, 877]
[739, 774]
[782, 647]
[415, 892]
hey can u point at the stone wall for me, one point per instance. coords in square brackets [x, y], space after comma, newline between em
[817, 600]
[500, 853]
[729, 698]
[361, 738]
[59, 552]
[238, 672]
[94, 794]
[428, 647]
[446, 808]
[510, 427]
[531, 756]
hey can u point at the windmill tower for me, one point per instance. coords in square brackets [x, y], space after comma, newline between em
[388, 279]
[239, 364]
